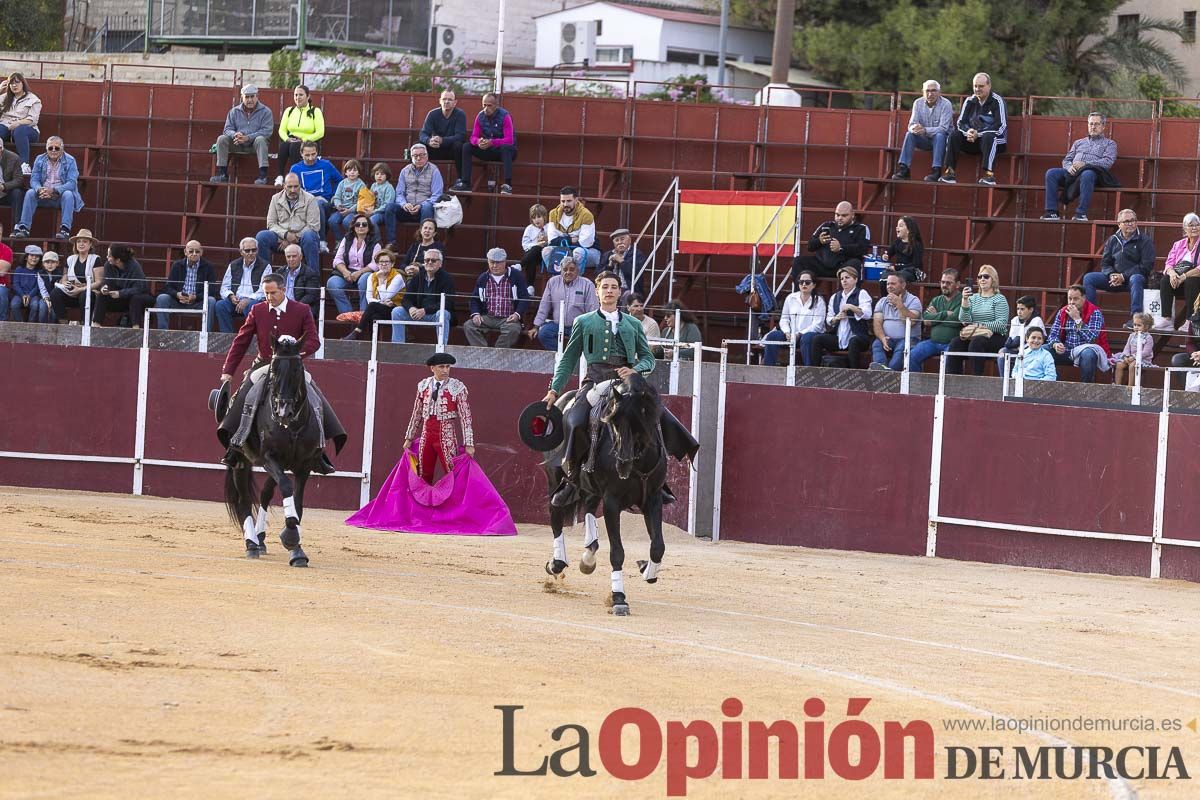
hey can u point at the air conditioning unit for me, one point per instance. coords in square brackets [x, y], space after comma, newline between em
[578, 41]
[446, 43]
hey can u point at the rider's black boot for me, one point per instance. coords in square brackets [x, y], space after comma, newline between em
[668, 496]
[324, 466]
[566, 494]
[232, 457]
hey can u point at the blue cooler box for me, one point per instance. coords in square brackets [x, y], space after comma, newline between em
[874, 268]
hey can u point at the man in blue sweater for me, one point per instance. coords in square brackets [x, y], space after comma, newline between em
[319, 178]
[445, 130]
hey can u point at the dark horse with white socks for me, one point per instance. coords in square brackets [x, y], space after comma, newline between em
[286, 436]
[629, 472]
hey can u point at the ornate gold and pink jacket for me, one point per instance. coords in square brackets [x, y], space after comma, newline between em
[451, 404]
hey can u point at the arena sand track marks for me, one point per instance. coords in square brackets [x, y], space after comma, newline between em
[172, 666]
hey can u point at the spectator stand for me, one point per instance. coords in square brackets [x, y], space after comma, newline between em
[658, 236]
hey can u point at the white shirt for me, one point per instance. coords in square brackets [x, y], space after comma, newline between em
[863, 301]
[586, 233]
[614, 319]
[796, 319]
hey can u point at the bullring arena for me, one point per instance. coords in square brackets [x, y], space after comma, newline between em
[142, 651]
[875, 585]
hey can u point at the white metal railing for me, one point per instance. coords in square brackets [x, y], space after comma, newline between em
[778, 243]
[657, 238]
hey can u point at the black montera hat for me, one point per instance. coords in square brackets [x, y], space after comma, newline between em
[440, 358]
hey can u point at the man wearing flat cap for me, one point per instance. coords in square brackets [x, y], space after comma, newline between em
[626, 261]
[440, 400]
[501, 296]
[248, 129]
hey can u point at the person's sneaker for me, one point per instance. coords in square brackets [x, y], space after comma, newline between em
[901, 173]
[988, 179]
[948, 177]
[261, 180]
[1079, 218]
[26, 170]
[220, 177]
[933, 176]
[324, 247]
[63, 233]
[1051, 215]
[505, 189]
[279, 180]
[20, 232]
[1163, 324]
[459, 187]
[878, 365]
[1185, 327]
[1128, 325]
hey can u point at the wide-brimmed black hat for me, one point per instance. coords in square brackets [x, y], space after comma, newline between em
[440, 358]
[541, 428]
[218, 401]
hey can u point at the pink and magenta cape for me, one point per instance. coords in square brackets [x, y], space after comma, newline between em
[462, 502]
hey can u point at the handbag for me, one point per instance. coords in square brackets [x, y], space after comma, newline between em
[350, 316]
[447, 212]
[561, 249]
[971, 330]
[366, 201]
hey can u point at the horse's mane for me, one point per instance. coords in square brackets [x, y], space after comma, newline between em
[634, 414]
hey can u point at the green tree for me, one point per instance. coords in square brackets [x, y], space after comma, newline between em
[31, 25]
[1091, 58]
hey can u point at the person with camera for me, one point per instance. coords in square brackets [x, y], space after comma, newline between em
[841, 242]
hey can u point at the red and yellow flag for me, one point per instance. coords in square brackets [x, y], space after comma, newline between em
[729, 223]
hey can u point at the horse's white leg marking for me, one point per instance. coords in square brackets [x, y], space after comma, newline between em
[249, 531]
[589, 530]
[651, 571]
[560, 548]
[289, 508]
[618, 582]
[261, 526]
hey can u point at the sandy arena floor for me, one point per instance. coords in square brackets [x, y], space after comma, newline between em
[142, 656]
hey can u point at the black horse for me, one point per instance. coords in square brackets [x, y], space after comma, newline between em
[286, 437]
[629, 472]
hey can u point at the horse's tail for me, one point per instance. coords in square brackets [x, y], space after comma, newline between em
[239, 490]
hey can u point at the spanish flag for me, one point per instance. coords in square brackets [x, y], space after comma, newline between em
[729, 223]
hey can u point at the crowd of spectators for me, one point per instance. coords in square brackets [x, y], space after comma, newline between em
[356, 216]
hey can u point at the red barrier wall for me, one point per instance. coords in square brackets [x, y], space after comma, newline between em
[179, 426]
[798, 472]
[826, 468]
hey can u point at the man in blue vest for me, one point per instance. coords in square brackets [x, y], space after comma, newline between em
[493, 139]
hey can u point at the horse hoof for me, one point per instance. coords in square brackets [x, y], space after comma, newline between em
[290, 538]
[299, 559]
[555, 567]
[262, 544]
[642, 569]
[252, 550]
[620, 610]
[587, 562]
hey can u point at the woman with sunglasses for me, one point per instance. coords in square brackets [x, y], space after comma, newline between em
[985, 321]
[353, 264]
[803, 315]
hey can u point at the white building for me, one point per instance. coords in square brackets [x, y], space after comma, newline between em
[610, 34]
[1183, 11]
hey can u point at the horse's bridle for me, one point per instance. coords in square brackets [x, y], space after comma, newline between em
[285, 420]
[626, 467]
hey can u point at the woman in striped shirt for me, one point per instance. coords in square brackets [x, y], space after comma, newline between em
[985, 321]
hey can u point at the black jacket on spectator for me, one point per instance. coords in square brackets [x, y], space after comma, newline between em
[520, 292]
[129, 281]
[1132, 257]
[452, 130]
[307, 288]
[10, 173]
[416, 252]
[426, 294]
[1104, 180]
[629, 265]
[853, 238]
[205, 272]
